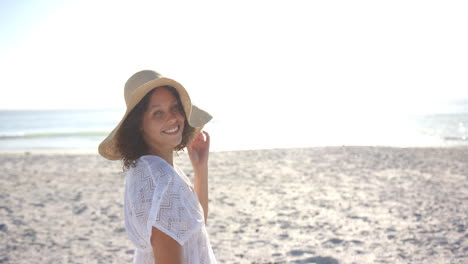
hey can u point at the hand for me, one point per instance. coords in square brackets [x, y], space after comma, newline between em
[198, 151]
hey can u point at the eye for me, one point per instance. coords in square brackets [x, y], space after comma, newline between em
[157, 113]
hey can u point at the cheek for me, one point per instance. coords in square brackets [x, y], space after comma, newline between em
[181, 116]
[150, 125]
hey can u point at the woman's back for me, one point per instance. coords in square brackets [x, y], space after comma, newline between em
[157, 195]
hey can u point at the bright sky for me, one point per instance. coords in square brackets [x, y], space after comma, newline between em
[273, 59]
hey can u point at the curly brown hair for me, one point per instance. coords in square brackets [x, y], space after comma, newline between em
[130, 142]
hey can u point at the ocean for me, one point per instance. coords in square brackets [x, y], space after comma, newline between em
[29, 130]
[83, 130]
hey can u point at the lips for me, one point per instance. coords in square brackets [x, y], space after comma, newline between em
[172, 130]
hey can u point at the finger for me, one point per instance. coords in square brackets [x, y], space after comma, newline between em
[200, 136]
[207, 137]
[195, 139]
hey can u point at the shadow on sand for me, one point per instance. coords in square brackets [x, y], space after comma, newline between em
[318, 260]
[311, 260]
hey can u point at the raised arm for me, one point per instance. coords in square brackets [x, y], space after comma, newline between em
[198, 152]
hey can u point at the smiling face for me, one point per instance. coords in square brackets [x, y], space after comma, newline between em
[163, 122]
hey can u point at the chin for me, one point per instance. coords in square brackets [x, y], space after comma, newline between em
[177, 143]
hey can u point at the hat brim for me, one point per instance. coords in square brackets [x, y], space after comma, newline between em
[196, 117]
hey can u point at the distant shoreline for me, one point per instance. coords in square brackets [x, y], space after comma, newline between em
[95, 152]
[83, 130]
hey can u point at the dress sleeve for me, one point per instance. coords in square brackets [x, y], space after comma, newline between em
[176, 210]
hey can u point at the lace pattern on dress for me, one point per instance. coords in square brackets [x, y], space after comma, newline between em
[178, 214]
[157, 195]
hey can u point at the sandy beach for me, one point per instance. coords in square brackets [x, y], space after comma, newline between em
[317, 205]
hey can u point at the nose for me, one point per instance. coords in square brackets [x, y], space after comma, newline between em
[172, 117]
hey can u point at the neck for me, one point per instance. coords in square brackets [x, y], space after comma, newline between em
[165, 155]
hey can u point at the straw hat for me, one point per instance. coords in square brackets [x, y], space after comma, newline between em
[135, 89]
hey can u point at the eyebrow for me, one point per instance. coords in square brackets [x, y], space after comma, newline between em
[173, 103]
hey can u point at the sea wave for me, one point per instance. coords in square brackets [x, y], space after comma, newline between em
[36, 135]
[456, 138]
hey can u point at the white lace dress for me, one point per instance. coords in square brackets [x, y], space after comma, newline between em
[156, 194]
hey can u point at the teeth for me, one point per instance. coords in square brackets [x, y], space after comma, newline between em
[172, 130]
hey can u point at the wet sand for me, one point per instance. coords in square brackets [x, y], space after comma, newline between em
[316, 205]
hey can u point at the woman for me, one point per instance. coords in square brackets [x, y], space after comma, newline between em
[164, 215]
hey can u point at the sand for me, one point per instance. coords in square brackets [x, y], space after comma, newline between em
[318, 205]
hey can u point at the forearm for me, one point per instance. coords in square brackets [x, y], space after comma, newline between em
[201, 188]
